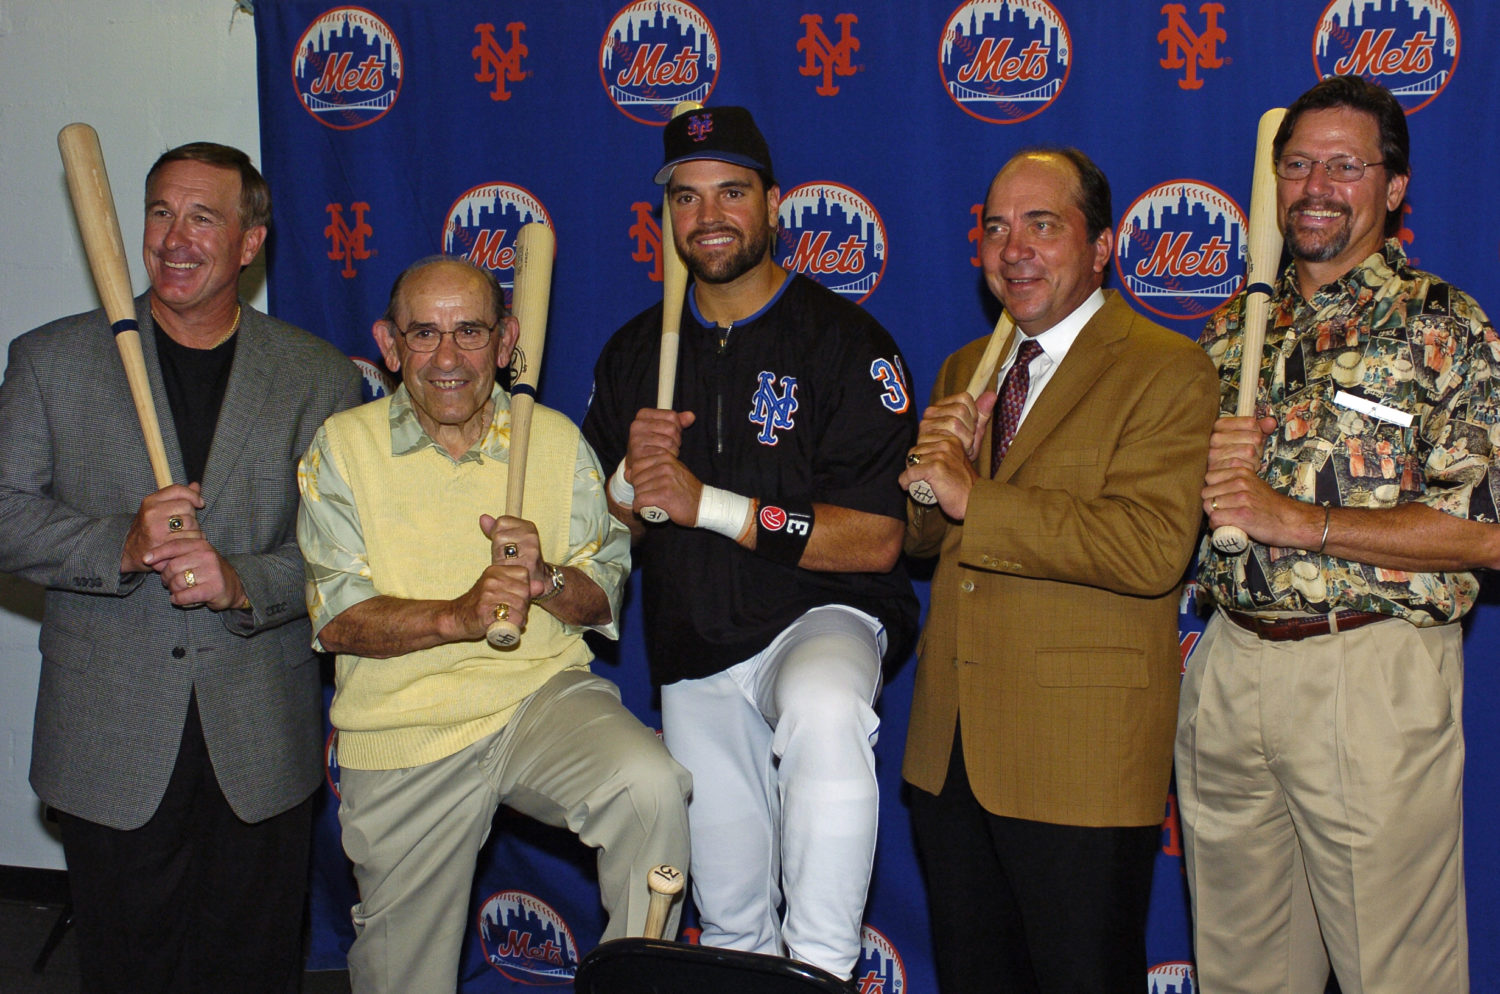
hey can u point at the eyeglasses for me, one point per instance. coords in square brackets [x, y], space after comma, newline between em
[1340, 168]
[470, 337]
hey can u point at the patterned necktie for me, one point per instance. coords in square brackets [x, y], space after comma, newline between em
[1012, 401]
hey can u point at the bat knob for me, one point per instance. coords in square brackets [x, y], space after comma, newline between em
[922, 493]
[655, 515]
[502, 634]
[1230, 540]
[665, 879]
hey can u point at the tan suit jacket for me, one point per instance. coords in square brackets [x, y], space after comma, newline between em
[1054, 607]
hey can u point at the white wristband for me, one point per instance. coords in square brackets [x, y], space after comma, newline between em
[724, 512]
[622, 492]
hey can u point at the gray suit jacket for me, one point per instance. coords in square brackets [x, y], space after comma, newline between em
[119, 661]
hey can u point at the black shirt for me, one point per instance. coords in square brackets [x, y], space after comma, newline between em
[805, 401]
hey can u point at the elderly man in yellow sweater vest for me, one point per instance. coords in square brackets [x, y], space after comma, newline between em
[437, 728]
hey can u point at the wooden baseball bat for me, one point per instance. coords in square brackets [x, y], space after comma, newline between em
[674, 276]
[997, 346]
[1263, 248]
[535, 245]
[665, 883]
[94, 207]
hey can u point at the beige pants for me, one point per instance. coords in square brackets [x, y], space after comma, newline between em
[572, 755]
[1320, 785]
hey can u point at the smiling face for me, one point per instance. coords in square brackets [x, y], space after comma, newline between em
[194, 245]
[1332, 227]
[1036, 252]
[723, 220]
[449, 388]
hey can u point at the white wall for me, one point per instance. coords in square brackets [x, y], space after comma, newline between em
[148, 75]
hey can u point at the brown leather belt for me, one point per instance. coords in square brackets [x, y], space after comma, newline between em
[1296, 629]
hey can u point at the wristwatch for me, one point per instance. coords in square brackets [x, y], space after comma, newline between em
[558, 580]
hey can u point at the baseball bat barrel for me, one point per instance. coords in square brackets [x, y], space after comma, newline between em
[535, 247]
[1263, 248]
[665, 883]
[99, 226]
[999, 344]
[674, 277]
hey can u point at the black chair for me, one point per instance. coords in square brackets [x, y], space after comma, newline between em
[652, 966]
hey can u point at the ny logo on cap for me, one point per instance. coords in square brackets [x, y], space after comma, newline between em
[699, 126]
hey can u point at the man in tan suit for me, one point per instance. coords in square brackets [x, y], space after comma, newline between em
[1041, 730]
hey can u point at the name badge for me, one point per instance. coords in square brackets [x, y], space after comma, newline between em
[1366, 406]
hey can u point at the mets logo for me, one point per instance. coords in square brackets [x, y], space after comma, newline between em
[1180, 249]
[879, 970]
[770, 410]
[1408, 46]
[647, 234]
[1189, 49]
[834, 235]
[482, 224]
[1005, 61]
[1172, 978]
[347, 244]
[656, 53]
[331, 746]
[378, 382]
[824, 58]
[526, 940]
[499, 65]
[347, 68]
[700, 126]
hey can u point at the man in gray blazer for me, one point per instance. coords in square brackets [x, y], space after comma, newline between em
[177, 721]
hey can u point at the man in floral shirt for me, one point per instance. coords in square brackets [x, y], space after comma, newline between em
[1320, 742]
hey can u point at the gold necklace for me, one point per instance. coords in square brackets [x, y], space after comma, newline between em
[234, 326]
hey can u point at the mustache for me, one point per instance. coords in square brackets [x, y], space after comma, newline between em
[1313, 204]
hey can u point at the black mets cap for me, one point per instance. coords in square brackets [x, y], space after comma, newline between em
[727, 134]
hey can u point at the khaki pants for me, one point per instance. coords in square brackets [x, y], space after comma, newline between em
[1320, 784]
[572, 755]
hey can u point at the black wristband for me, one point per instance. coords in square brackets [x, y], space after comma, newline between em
[782, 529]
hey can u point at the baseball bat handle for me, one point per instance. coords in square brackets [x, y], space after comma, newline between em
[665, 883]
[921, 491]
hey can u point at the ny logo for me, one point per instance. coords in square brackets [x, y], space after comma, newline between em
[348, 243]
[647, 235]
[771, 410]
[830, 58]
[1185, 47]
[699, 126]
[498, 65]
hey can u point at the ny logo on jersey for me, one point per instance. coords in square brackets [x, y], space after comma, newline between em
[498, 65]
[830, 58]
[647, 235]
[1186, 47]
[771, 410]
[348, 243]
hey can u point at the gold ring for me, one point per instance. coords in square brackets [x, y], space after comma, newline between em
[174, 523]
[510, 550]
[912, 459]
[1214, 503]
[502, 612]
[188, 577]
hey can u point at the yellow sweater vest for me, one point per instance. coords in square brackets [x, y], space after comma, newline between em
[420, 517]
